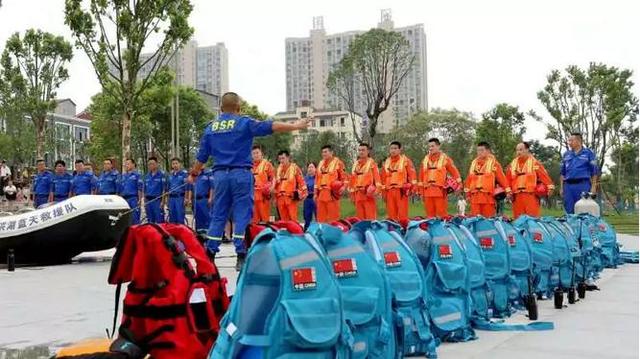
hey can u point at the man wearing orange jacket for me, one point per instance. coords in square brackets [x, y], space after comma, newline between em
[485, 171]
[290, 187]
[398, 180]
[263, 185]
[364, 183]
[525, 174]
[432, 178]
[330, 184]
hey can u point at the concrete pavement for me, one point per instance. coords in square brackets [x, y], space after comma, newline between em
[43, 308]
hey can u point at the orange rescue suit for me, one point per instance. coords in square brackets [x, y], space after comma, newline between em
[433, 178]
[396, 173]
[290, 189]
[328, 206]
[480, 184]
[523, 175]
[262, 176]
[363, 175]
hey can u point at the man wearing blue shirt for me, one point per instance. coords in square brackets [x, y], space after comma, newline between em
[228, 139]
[41, 185]
[578, 173]
[201, 197]
[109, 178]
[154, 186]
[131, 188]
[83, 181]
[61, 183]
[178, 186]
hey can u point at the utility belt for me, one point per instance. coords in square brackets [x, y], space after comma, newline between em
[176, 195]
[40, 195]
[129, 196]
[60, 196]
[149, 198]
[107, 193]
[577, 180]
[202, 197]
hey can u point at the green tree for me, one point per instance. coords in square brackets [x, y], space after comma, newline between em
[452, 127]
[597, 101]
[502, 127]
[194, 115]
[371, 72]
[622, 180]
[33, 67]
[311, 143]
[113, 35]
[271, 145]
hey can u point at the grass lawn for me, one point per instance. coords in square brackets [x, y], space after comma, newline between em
[625, 223]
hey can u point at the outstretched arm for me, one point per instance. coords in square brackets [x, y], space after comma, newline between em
[279, 126]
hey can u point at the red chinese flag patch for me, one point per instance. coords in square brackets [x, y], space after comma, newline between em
[344, 268]
[537, 237]
[392, 259]
[304, 278]
[512, 240]
[486, 243]
[444, 250]
[603, 228]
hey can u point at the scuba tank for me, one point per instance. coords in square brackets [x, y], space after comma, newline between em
[587, 204]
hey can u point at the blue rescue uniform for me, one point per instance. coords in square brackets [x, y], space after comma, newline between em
[108, 182]
[309, 207]
[229, 139]
[61, 186]
[201, 209]
[577, 170]
[42, 188]
[177, 190]
[154, 186]
[83, 183]
[130, 186]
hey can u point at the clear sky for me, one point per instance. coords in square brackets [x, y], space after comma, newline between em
[479, 52]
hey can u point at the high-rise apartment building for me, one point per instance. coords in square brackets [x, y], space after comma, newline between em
[203, 68]
[212, 73]
[309, 61]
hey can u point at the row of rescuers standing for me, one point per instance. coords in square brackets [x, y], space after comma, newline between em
[155, 189]
[524, 182]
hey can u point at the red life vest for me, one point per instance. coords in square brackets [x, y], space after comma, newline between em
[254, 229]
[175, 297]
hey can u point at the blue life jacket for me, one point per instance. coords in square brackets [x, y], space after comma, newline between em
[521, 260]
[287, 304]
[584, 227]
[541, 244]
[480, 286]
[610, 250]
[446, 276]
[366, 293]
[566, 253]
[497, 261]
[406, 278]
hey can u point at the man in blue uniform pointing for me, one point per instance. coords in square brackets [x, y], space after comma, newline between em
[228, 139]
[177, 191]
[578, 173]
